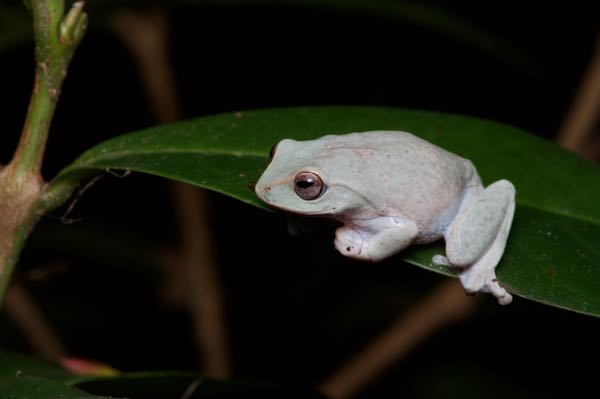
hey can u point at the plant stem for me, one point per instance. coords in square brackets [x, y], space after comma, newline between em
[17, 218]
[22, 188]
[56, 39]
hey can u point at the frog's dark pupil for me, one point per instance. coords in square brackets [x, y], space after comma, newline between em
[305, 183]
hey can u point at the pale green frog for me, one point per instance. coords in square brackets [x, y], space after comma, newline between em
[392, 189]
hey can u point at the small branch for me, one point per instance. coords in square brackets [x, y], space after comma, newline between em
[17, 218]
[585, 110]
[447, 304]
[145, 34]
[23, 310]
[195, 275]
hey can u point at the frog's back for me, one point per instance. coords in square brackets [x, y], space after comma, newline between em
[400, 173]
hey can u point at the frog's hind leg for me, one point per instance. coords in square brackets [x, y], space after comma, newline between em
[476, 239]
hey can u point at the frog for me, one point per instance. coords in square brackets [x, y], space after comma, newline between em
[390, 190]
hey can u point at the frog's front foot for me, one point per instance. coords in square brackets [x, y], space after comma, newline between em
[375, 239]
[350, 242]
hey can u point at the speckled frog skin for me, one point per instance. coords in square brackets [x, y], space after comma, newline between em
[390, 190]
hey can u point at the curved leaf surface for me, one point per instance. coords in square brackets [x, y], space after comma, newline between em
[14, 365]
[24, 376]
[41, 388]
[176, 384]
[553, 250]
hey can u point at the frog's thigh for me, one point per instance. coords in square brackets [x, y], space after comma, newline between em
[484, 223]
[375, 239]
[477, 239]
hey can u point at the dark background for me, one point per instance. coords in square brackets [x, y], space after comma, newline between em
[295, 309]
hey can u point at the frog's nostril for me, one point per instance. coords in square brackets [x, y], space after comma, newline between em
[268, 188]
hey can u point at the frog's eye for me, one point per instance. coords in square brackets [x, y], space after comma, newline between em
[272, 152]
[308, 186]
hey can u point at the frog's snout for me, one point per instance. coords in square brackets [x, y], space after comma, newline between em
[262, 191]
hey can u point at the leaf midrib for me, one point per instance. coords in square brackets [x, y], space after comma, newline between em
[87, 163]
[119, 154]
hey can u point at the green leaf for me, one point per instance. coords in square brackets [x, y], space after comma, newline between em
[41, 388]
[13, 365]
[158, 385]
[553, 250]
[23, 376]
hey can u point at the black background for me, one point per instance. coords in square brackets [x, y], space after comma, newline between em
[295, 309]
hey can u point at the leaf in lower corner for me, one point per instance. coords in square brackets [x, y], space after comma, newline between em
[17, 365]
[173, 384]
[41, 388]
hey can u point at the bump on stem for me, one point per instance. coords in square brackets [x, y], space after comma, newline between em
[73, 25]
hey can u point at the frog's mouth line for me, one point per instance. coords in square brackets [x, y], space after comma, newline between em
[322, 213]
[263, 193]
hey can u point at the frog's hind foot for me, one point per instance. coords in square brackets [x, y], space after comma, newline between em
[477, 237]
[476, 282]
[480, 279]
[476, 279]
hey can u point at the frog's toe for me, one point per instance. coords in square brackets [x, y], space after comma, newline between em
[494, 288]
[476, 280]
[440, 260]
[346, 248]
[348, 242]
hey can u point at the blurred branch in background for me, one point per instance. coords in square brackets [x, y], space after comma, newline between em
[447, 304]
[25, 313]
[194, 276]
[576, 133]
[146, 35]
